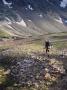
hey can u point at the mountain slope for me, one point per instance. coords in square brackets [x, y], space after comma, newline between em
[33, 18]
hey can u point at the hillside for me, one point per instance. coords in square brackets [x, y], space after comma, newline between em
[32, 18]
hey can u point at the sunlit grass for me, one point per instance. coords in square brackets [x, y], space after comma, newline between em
[23, 49]
[30, 48]
[4, 34]
[2, 75]
[60, 45]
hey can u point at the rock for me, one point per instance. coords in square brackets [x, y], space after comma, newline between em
[46, 69]
[52, 61]
[36, 85]
[7, 72]
[47, 76]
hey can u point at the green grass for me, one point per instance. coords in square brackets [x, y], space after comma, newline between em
[60, 45]
[2, 75]
[27, 48]
[4, 34]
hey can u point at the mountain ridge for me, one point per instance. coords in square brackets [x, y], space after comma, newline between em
[33, 18]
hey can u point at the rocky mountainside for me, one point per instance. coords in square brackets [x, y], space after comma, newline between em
[33, 18]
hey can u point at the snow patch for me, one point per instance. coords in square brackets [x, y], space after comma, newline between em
[63, 3]
[9, 26]
[30, 7]
[8, 20]
[6, 3]
[59, 20]
[22, 22]
[29, 20]
[40, 15]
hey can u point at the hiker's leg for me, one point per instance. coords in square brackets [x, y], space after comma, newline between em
[46, 50]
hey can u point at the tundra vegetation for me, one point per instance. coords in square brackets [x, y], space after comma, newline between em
[25, 66]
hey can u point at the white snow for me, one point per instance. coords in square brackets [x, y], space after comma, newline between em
[29, 20]
[9, 26]
[8, 20]
[40, 15]
[59, 20]
[30, 7]
[6, 3]
[22, 22]
[63, 3]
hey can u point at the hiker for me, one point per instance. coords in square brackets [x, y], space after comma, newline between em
[47, 46]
